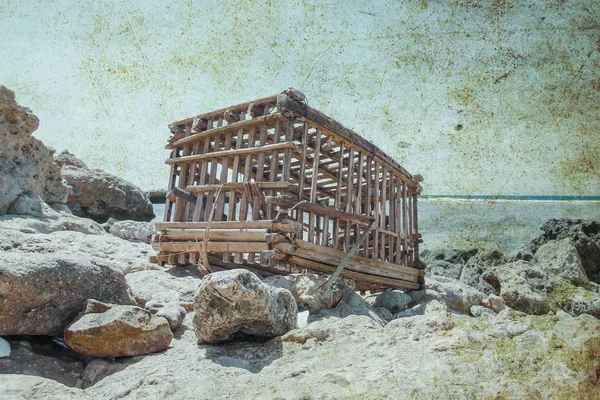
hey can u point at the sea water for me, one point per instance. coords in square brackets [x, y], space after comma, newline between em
[506, 224]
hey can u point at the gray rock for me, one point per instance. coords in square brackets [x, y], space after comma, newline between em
[237, 301]
[478, 311]
[27, 168]
[4, 348]
[494, 303]
[96, 370]
[383, 313]
[174, 313]
[99, 195]
[585, 236]
[526, 287]
[392, 300]
[308, 290]
[42, 293]
[560, 259]
[476, 267]
[72, 236]
[19, 386]
[446, 262]
[133, 230]
[456, 295]
[352, 304]
[163, 286]
[118, 331]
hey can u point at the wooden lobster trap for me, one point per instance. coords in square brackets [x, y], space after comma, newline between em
[276, 186]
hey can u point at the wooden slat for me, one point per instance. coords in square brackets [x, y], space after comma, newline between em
[288, 202]
[243, 151]
[213, 247]
[239, 186]
[226, 235]
[241, 106]
[357, 276]
[319, 120]
[287, 226]
[381, 267]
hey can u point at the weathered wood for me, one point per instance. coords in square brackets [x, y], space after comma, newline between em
[347, 257]
[223, 235]
[286, 226]
[337, 256]
[235, 152]
[240, 187]
[320, 120]
[213, 247]
[268, 119]
[288, 202]
[357, 276]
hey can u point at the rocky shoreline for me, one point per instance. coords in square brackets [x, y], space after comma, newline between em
[84, 315]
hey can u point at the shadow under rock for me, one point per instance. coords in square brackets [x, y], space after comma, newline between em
[252, 354]
[186, 271]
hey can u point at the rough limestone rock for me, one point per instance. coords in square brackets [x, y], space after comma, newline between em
[475, 267]
[133, 230]
[108, 330]
[352, 304]
[99, 195]
[42, 293]
[163, 286]
[560, 259]
[494, 303]
[174, 313]
[446, 262]
[74, 237]
[392, 300]
[456, 295]
[235, 301]
[28, 174]
[527, 287]
[585, 236]
[308, 290]
[478, 311]
[21, 386]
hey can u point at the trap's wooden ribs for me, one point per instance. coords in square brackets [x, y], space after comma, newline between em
[276, 186]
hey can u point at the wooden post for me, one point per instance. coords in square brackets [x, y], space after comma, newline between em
[338, 193]
[313, 189]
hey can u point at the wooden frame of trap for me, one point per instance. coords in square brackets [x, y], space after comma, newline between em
[275, 186]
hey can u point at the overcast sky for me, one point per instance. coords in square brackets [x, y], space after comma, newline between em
[480, 97]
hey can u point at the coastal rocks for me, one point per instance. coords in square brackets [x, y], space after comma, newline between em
[133, 230]
[162, 286]
[308, 290]
[527, 287]
[477, 265]
[560, 259]
[42, 293]
[19, 386]
[446, 262]
[585, 236]
[99, 195]
[456, 295]
[28, 174]
[352, 304]
[392, 300]
[237, 301]
[174, 313]
[75, 237]
[108, 330]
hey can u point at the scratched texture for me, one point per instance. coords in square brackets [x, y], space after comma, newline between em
[481, 97]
